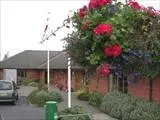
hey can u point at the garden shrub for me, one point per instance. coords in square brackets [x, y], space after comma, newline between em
[42, 86]
[40, 97]
[33, 84]
[83, 96]
[73, 111]
[55, 95]
[126, 107]
[26, 81]
[84, 89]
[95, 98]
[147, 111]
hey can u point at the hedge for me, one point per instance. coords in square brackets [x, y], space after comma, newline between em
[40, 97]
[126, 107]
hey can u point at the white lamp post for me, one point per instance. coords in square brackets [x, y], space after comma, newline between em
[69, 82]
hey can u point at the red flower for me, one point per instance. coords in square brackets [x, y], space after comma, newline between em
[108, 51]
[117, 50]
[82, 12]
[103, 70]
[85, 26]
[103, 29]
[114, 50]
[134, 5]
[98, 3]
[151, 11]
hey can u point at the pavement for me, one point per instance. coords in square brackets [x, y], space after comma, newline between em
[96, 113]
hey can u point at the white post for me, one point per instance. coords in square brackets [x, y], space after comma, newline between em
[48, 78]
[69, 83]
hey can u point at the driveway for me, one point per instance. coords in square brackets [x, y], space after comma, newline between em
[23, 110]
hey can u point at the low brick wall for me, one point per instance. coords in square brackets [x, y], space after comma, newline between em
[141, 89]
[101, 85]
[156, 89]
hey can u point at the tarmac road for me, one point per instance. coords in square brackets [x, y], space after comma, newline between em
[22, 111]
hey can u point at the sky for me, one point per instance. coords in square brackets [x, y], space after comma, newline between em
[22, 23]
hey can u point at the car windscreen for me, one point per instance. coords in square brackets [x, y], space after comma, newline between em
[5, 85]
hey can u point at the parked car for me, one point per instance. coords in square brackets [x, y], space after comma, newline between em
[8, 91]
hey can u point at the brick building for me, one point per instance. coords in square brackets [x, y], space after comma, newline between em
[32, 65]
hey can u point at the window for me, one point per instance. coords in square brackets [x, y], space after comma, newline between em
[21, 73]
[5, 85]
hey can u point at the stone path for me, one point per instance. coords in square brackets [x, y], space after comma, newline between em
[96, 113]
[25, 90]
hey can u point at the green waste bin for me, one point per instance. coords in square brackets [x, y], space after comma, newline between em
[51, 110]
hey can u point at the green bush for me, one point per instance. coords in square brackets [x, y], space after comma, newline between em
[33, 84]
[126, 107]
[40, 97]
[84, 89]
[145, 111]
[95, 98]
[42, 86]
[73, 111]
[26, 81]
[83, 96]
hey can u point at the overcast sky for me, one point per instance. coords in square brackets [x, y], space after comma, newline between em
[23, 22]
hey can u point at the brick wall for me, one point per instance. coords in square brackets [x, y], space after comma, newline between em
[33, 74]
[101, 85]
[42, 75]
[156, 89]
[141, 89]
[1, 74]
[59, 78]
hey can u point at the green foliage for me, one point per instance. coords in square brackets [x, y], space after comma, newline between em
[84, 89]
[42, 86]
[95, 98]
[33, 83]
[134, 30]
[73, 111]
[40, 97]
[125, 107]
[83, 96]
[26, 81]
